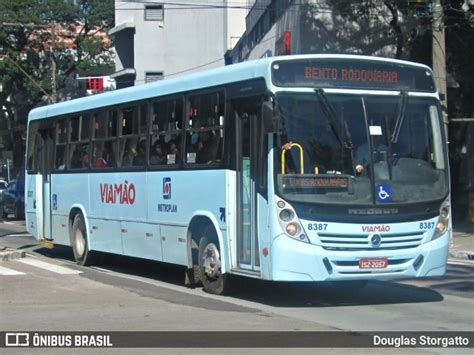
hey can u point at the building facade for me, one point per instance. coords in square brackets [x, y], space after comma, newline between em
[280, 27]
[156, 40]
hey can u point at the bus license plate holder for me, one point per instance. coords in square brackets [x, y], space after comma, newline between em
[373, 263]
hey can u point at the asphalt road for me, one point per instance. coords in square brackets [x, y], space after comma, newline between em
[51, 292]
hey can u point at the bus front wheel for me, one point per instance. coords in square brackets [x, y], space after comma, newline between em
[213, 280]
[82, 254]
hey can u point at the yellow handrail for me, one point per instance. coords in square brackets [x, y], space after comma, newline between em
[283, 152]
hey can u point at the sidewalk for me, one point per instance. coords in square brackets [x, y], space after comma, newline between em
[461, 246]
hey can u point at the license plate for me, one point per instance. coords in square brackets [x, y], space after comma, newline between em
[373, 263]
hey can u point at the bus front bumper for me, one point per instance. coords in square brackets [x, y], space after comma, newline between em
[293, 260]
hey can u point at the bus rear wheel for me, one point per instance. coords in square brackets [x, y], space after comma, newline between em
[212, 278]
[82, 254]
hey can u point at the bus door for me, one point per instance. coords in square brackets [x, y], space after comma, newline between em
[247, 216]
[44, 145]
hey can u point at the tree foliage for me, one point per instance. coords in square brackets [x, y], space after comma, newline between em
[459, 58]
[34, 35]
[398, 29]
[371, 27]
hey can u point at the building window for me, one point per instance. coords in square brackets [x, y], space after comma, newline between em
[154, 13]
[153, 76]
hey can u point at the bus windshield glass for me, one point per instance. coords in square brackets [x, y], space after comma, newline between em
[360, 150]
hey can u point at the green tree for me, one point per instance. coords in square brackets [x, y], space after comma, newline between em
[36, 36]
[387, 28]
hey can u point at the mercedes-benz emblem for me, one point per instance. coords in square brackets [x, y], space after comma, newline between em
[376, 240]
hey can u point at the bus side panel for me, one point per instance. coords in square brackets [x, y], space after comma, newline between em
[121, 196]
[173, 239]
[60, 229]
[117, 201]
[104, 235]
[66, 190]
[38, 197]
[59, 213]
[173, 198]
[231, 219]
[31, 206]
[141, 240]
[264, 238]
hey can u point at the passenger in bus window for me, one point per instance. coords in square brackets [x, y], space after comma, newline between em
[158, 153]
[109, 155]
[173, 153]
[99, 161]
[207, 147]
[60, 163]
[76, 158]
[128, 154]
[85, 156]
[140, 158]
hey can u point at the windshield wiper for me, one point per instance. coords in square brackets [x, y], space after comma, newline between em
[338, 126]
[400, 116]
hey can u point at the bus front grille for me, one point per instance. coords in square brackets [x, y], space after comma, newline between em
[356, 242]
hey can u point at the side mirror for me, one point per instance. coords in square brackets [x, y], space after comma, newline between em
[271, 117]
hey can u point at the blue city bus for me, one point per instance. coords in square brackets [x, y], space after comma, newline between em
[292, 168]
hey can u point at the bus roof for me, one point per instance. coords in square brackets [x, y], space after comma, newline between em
[259, 68]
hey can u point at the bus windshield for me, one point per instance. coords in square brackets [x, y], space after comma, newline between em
[360, 150]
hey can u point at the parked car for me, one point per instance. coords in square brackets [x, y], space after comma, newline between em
[3, 186]
[12, 199]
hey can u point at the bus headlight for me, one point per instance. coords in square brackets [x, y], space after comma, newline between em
[440, 227]
[289, 221]
[444, 212]
[286, 215]
[443, 221]
[292, 229]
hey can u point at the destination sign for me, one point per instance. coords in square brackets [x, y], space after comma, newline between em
[351, 74]
[335, 182]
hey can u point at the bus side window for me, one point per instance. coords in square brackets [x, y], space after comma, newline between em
[205, 128]
[34, 145]
[132, 136]
[104, 139]
[165, 132]
[60, 144]
[79, 130]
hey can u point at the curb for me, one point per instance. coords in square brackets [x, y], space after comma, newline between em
[461, 254]
[7, 255]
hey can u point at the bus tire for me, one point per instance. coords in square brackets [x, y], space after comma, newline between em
[213, 280]
[82, 254]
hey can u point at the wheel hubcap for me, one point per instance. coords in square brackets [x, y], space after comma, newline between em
[211, 261]
[80, 243]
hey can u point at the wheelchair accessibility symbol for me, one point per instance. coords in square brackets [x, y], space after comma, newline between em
[383, 192]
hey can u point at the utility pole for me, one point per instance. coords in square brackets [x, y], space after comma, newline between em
[54, 96]
[439, 58]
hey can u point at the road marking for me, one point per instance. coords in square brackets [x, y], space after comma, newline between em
[8, 272]
[47, 266]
